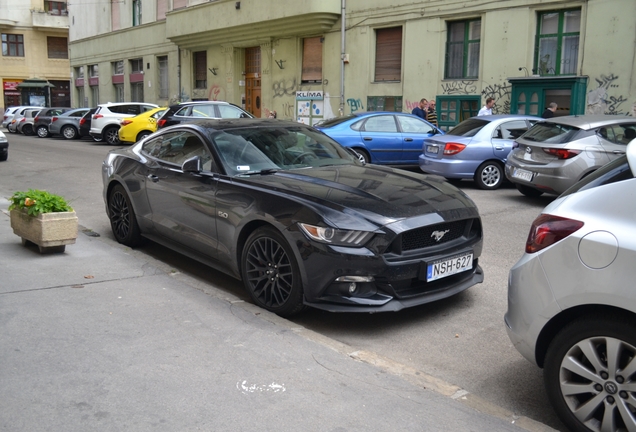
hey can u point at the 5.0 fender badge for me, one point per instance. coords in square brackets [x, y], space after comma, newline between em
[222, 214]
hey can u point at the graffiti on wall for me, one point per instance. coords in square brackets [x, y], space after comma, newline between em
[599, 101]
[501, 94]
[217, 93]
[459, 88]
[411, 105]
[355, 105]
[285, 87]
[183, 97]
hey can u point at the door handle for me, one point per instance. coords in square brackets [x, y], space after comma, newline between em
[408, 139]
[499, 148]
[153, 178]
[367, 139]
[618, 152]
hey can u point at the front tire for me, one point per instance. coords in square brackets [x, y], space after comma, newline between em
[489, 175]
[270, 273]
[111, 135]
[528, 191]
[590, 370]
[122, 217]
[42, 131]
[69, 132]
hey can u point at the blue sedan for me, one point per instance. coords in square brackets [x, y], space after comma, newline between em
[476, 148]
[379, 137]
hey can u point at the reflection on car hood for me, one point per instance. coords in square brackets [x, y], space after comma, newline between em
[379, 194]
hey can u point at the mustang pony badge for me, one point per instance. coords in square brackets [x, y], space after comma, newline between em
[437, 235]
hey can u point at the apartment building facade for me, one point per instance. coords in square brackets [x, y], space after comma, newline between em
[35, 65]
[315, 59]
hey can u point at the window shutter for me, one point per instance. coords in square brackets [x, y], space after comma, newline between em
[388, 54]
[312, 59]
[57, 47]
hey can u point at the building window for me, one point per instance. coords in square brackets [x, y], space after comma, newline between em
[388, 54]
[57, 47]
[137, 66]
[557, 45]
[119, 92]
[118, 67]
[200, 69]
[136, 4]
[12, 45]
[452, 110]
[137, 92]
[81, 100]
[79, 72]
[312, 60]
[462, 49]
[382, 103]
[55, 7]
[162, 63]
[95, 95]
[93, 71]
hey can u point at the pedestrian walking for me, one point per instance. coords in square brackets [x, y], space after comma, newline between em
[421, 109]
[431, 115]
[487, 109]
[549, 111]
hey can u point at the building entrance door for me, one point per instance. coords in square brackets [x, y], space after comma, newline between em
[253, 81]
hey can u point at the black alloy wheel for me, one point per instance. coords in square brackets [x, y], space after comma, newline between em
[270, 273]
[122, 217]
[42, 131]
[489, 175]
[111, 135]
[590, 374]
[27, 130]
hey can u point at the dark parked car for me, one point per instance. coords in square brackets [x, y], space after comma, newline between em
[43, 119]
[85, 124]
[200, 110]
[295, 215]
[4, 147]
[67, 124]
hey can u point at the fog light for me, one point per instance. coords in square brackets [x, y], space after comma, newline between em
[355, 279]
[352, 287]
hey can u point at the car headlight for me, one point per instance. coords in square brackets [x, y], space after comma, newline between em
[336, 236]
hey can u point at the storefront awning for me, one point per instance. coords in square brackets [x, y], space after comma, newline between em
[34, 83]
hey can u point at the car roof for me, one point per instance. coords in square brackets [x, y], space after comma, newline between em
[202, 103]
[494, 117]
[109, 104]
[590, 121]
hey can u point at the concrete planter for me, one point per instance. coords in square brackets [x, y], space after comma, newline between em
[51, 232]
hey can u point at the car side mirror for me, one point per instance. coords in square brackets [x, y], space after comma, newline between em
[192, 165]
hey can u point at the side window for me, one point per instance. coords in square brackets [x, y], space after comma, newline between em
[229, 111]
[413, 125]
[177, 147]
[144, 108]
[382, 123]
[205, 111]
[625, 133]
[511, 130]
[184, 112]
[607, 133]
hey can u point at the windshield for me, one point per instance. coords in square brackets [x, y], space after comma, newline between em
[468, 128]
[546, 132]
[268, 149]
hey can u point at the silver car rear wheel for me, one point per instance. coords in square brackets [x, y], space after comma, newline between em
[489, 175]
[590, 374]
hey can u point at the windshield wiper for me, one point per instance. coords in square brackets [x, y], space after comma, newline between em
[261, 172]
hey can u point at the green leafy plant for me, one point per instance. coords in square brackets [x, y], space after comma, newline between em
[38, 201]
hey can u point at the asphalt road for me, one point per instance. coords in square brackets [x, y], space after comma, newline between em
[461, 340]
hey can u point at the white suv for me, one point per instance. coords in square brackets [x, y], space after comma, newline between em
[105, 122]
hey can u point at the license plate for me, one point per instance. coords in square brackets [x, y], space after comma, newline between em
[522, 174]
[432, 149]
[449, 266]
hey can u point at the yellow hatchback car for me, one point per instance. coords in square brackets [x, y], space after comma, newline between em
[132, 129]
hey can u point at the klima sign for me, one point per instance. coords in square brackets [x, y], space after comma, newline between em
[309, 95]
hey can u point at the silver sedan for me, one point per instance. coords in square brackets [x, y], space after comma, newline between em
[572, 303]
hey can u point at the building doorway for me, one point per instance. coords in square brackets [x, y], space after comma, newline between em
[253, 81]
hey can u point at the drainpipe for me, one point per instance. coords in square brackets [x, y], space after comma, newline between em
[179, 73]
[342, 58]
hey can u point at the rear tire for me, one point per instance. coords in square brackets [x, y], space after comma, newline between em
[528, 191]
[489, 175]
[142, 135]
[27, 130]
[587, 373]
[111, 135]
[69, 132]
[363, 156]
[42, 131]
[122, 217]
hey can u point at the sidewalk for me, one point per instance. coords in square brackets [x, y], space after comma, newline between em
[104, 338]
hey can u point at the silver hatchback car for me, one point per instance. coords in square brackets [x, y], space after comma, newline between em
[556, 153]
[572, 299]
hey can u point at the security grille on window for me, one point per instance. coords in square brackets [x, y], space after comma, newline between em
[557, 45]
[388, 54]
[118, 67]
[12, 45]
[57, 47]
[462, 49]
[312, 60]
[163, 76]
[200, 69]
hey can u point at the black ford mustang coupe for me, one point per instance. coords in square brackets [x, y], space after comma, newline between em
[294, 215]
